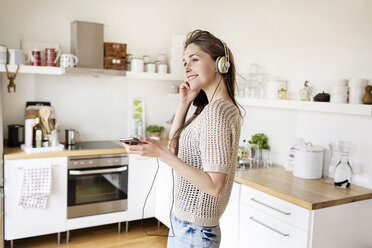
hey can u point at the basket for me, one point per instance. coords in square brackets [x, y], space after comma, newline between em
[113, 49]
[114, 63]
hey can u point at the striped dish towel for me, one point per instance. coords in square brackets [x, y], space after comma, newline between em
[36, 186]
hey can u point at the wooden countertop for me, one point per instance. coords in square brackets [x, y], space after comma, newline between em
[11, 153]
[306, 193]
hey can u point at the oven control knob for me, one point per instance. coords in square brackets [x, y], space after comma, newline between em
[75, 163]
[90, 162]
[81, 162]
[116, 160]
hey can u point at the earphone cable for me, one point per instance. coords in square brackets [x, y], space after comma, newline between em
[216, 89]
[170, 212]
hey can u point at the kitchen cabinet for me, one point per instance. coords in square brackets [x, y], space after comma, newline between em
[267, 221]
[26, 222]
[141, 173]
[164, 187]
[229, 222]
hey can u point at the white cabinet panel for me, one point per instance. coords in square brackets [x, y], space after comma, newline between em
[140, 176]
[262, 230]
[229, 222]
[276, 207]
[164, 187]
[21, 222]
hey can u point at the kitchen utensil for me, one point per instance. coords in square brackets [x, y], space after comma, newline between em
[137, 64]
[367, 98]
[71, 136]
[343, 170]
[339, 94]
[322, 97]
[68, 60]
[308, 161]
[51, 56]
[45, 114]
[162, 67]
[3, 51]
[15, 135]
[17, 56]
[35, 56]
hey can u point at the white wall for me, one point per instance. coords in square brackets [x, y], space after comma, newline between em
[298, 40]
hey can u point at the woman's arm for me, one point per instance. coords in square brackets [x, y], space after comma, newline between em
[187, 95]
[209, 182]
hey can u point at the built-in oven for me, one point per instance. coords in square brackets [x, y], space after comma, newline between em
[97, 184]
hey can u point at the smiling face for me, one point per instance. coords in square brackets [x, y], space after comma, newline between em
[199, 67]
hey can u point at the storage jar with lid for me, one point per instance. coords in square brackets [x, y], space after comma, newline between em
[137, 64]
[357, 90]
[308, 161]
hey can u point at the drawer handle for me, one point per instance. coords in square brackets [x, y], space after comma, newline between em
[264, 204]
[259, 222]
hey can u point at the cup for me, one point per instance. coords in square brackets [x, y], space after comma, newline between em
[51, 56]
[17, 56]
[3, 56]
[68, 60]
[35, 56]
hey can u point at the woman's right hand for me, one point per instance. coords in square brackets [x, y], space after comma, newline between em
[187, 94]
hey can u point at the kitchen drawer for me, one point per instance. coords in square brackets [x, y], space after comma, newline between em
[262, 230]
[280, 209]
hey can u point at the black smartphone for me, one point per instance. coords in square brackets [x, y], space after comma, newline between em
[131, 141]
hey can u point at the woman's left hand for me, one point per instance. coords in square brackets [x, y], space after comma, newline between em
[152, 148]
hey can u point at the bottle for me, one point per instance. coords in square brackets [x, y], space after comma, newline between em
[37, 134]
[140, 127]
[343, 170]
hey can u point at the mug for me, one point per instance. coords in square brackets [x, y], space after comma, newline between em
[17, 56]
[35, 56]
[68, 60]
[51, 56]
[3, 51]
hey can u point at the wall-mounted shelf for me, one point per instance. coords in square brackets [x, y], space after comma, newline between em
[325, 107]
[45, 70]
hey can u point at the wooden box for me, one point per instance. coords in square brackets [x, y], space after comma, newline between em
[113, 49]
[114, 63]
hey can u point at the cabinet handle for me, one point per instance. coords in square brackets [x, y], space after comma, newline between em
[89, 172]
[264, 204]
[271, 228]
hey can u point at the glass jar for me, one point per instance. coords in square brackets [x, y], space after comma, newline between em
[343, 170]
[335, 157]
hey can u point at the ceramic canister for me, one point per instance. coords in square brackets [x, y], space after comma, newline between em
[162, 67]
[150, 67]
[137, 64]
[357, 90]
[339, 94]
[3, 51]
[272, 88]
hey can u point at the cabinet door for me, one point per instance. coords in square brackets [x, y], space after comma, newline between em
[26, 222]
[164, 187]
[229, 222]
[140, 176]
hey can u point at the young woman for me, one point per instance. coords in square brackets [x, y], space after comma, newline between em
[203, 150]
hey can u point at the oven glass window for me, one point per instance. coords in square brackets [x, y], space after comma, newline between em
[93, 188]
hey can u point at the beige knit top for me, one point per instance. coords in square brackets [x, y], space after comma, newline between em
[209, 143]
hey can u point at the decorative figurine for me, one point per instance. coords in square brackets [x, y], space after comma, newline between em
[306, 92]
[367, 98]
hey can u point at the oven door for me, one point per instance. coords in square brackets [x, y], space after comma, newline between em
[97, 190]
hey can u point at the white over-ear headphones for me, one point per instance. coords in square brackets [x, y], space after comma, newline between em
[223, 62]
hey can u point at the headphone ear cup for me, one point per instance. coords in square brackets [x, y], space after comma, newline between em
[221, 65]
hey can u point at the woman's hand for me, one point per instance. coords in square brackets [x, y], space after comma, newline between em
[187, 94]
[152, 148]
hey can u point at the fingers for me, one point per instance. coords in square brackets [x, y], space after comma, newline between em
[185, 85]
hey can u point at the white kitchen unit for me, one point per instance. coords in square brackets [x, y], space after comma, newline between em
[141, 174]
[267, 221]
[21, 222]
[164, 187]
[229, 222]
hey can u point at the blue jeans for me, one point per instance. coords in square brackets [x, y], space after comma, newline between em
[189, 235]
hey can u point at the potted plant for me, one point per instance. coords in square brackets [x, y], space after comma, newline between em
[155, 131]
[260, 146]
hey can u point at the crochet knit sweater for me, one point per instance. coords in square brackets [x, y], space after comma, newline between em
[209, 143]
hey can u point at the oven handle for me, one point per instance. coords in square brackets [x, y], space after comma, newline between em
[88, 172]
